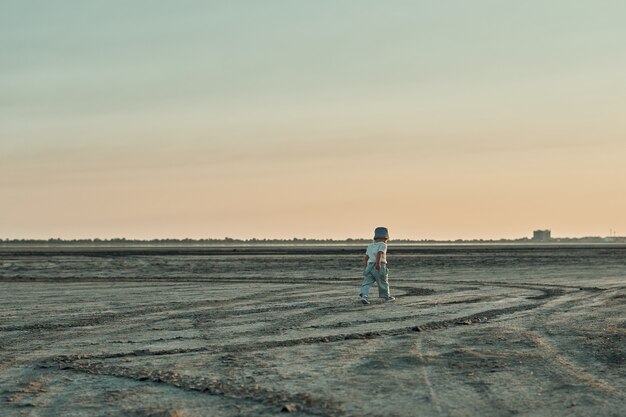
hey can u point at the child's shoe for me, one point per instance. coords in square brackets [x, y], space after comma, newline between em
[364, 299]
[390, 299]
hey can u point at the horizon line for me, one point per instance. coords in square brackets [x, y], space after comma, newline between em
[295, 239]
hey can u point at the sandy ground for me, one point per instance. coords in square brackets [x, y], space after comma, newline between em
[474, 332]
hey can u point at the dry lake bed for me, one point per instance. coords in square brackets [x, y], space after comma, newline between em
[263, 331]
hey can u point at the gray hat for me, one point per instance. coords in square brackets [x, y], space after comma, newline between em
[381, 233]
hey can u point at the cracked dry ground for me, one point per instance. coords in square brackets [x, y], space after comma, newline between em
[474, 332]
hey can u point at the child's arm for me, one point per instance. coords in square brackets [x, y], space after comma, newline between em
[367, 258]
[379, 256]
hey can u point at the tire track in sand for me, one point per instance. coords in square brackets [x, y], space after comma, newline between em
[417, 350]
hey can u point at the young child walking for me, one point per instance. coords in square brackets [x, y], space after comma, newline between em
[376, 267]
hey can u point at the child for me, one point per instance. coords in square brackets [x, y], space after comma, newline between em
[376, 267]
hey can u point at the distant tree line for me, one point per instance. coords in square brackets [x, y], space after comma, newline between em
[227, 240]
[295, 240]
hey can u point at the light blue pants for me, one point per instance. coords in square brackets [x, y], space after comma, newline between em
[381, 278]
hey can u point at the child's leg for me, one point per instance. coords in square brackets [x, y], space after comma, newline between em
[368, 280]
[382, 279]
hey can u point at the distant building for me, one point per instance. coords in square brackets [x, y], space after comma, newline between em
[541, 235]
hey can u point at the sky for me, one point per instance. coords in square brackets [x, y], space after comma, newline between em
[321, 119]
